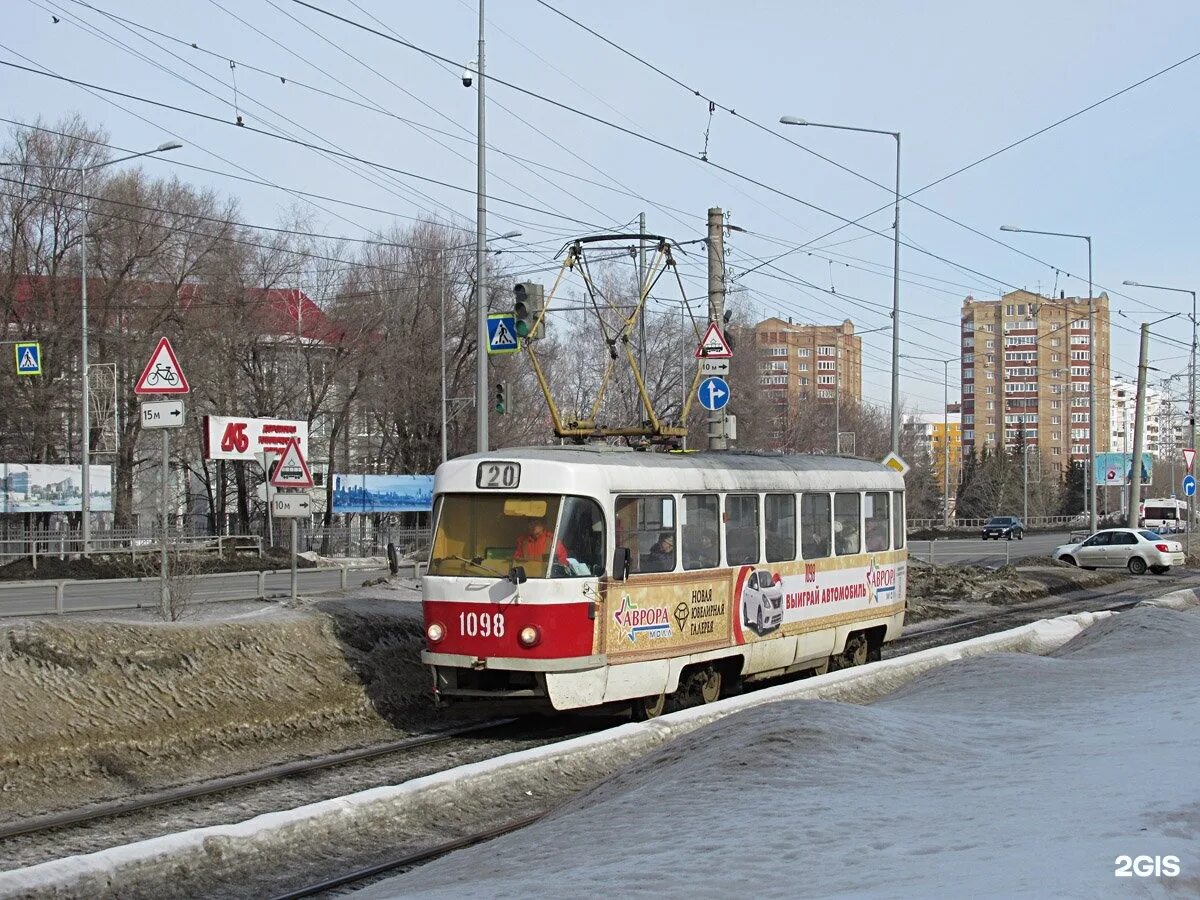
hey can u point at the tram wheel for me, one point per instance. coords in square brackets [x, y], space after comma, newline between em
[645, 708]
[711, 682]
[857, 652]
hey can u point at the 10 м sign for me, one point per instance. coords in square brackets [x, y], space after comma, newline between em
[235, 437]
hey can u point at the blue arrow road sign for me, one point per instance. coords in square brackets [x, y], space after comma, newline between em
[713, 393]
[502, 333]
[1189, 485]
[29, 358]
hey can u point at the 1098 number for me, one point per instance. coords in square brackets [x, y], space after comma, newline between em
[473, 624]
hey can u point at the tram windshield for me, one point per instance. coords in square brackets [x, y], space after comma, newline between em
[549, 536]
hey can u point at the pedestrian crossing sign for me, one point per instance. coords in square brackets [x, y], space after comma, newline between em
[502, 334]
[29, 358]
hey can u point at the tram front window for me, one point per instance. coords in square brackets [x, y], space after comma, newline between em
[482, 534]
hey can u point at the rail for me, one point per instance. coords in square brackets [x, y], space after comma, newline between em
[967, 524]
[56, 597]
[34, 544]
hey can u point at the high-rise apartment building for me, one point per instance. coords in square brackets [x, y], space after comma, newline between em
[1026, 363]
[805, 363]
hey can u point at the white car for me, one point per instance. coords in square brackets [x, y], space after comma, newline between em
[762, 602]
[1133, 548]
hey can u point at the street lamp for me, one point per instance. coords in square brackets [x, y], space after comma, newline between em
[945, 432]
[482, 349]
[1090, 494]
[796, 120]
[1191, 382]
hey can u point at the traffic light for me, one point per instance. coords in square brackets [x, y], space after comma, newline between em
[529, 300]
[500, 398]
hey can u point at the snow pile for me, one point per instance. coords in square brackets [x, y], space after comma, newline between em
[92, 709]
[1004, 775]
[352, 562]
[299, 834]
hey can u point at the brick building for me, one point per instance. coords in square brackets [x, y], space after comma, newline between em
[1026, 362]
[803, 363]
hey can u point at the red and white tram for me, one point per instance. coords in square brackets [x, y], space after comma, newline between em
[573, 577]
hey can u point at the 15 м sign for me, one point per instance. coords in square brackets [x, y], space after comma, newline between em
[163, 414]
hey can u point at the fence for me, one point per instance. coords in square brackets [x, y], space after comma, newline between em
[33, 543]
[363, 539]
[965, 524]
[34, 598]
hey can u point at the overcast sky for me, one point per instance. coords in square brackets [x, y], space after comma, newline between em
[959, 80]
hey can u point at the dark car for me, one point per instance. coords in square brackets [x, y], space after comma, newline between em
[1004, 527]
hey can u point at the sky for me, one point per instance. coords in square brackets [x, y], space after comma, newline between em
[959, 81]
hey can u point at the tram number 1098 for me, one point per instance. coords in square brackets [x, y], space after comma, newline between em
[481, 624]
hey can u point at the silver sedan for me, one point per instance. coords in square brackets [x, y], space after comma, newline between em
[1123, 548]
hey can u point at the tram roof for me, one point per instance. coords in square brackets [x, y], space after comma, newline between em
[701, 461]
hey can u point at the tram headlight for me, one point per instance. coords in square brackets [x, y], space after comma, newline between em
[435, 632]
[529, 636]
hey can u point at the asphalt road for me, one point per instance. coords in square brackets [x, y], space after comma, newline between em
[977, 552]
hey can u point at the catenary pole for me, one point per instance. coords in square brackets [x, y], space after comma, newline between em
[481, 362]
[716, 308]
[1139, 422]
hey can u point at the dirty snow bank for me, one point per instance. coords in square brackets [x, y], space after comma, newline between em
[91, 710]
[1004, 775]
[180, 864]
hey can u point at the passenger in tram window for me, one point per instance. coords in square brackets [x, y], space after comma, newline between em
[662, 554]
[534, 545]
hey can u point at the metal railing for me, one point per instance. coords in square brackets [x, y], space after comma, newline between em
[1031, 522]
[35, 543]
[37, 598]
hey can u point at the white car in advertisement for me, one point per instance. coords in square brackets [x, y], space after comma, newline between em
[762, 602]
[1135, 549]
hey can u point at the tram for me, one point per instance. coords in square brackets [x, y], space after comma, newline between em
[589, 576]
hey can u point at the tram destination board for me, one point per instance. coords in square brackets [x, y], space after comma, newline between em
[499, 475]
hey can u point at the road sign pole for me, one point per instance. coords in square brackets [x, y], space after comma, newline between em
[293, 560]
[164, 584]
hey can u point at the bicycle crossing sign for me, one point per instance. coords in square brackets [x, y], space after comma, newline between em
[291, 471]
[502, 333]
[29, 358]
[163, 374]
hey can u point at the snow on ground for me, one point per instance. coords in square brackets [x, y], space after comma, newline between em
[1003, 775]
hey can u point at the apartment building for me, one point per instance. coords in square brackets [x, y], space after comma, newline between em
[1026, 364]
[803, 363]
[933, 432]
[1165, 430]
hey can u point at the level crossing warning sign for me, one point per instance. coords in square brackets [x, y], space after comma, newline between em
[713, 345]
[163, 374]
[502, 333]
[292, 470]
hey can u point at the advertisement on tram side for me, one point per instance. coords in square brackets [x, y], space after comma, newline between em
[667, 616]
[771, 597]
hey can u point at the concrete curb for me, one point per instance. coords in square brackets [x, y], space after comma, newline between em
[173, 859]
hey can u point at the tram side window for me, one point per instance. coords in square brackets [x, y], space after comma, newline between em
[878, 521]
[814, 526]
[646, 526]
[898, 525]
[780, 513]
[846, 516]
[741, 529]
[581, 533]
[701, 530]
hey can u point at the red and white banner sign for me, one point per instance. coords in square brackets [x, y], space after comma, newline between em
[233, 437]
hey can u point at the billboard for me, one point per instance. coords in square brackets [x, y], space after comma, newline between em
[239, 437]
[1117, 468]
[382, 493]
[34, 487]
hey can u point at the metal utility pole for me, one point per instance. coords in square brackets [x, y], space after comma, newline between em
[641, 281]
[946, 442]
[1090, 491]
[1139, 422]
[481, 362]
[1191, 387]
[442, 345]
[716, 308]
[1025, 473]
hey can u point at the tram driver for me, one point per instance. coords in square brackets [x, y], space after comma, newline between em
[534, 545]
